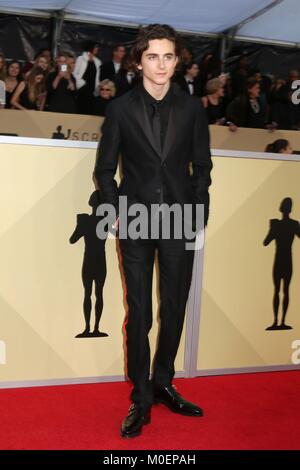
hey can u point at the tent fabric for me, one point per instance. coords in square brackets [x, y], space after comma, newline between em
[279, 23]
[262, 19]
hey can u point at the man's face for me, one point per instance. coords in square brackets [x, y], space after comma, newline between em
[95, 50]
[119, 53]
[254, 91]
[158, 62]
[194, 70]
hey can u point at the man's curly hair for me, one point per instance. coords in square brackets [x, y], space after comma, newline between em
[153, 31]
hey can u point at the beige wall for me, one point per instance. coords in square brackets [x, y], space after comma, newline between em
[237, 280]
[44, 187]
[42, 190]
[42, 124]
[252, 140]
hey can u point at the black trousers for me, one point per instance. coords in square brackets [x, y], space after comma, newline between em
[175, 272]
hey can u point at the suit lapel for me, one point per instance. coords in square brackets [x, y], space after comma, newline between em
[174, 125]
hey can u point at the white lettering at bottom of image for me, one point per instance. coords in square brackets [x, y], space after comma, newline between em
[171, 459]
[151, 459]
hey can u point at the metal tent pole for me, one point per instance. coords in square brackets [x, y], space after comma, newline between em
[58, 19]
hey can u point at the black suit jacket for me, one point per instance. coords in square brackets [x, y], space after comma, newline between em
[107, 70]
[151, 176]
[122, 84]
[184, 86]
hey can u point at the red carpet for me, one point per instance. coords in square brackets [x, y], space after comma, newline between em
[250, 411]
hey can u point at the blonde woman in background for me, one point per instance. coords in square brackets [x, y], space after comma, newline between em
[107, 91]
[212, 102]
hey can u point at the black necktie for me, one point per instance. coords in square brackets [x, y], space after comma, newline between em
[157, 125]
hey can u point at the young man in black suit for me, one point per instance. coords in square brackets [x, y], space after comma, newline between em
[159, 130]
[111, 68]
[188, 80]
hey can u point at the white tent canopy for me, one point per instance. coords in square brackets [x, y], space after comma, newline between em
[265, 20]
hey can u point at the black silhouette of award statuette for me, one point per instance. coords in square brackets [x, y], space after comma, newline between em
[93, 266]
[58, 134]
[283, 231]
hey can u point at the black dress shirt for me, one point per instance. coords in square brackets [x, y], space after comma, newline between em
[164, 106]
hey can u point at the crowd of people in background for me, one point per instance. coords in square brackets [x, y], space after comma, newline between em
[84, 85]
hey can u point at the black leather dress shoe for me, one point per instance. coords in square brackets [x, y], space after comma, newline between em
[134, 421]
[173, 400]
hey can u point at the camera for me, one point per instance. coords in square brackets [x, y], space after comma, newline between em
[63, 68]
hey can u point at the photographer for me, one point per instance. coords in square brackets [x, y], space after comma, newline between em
[61, 87]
